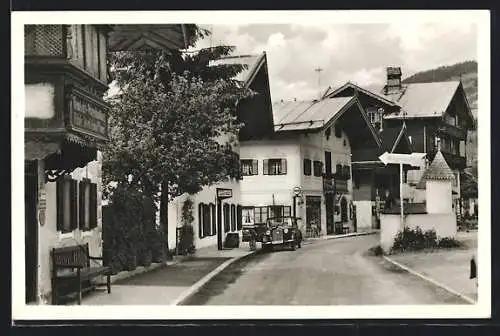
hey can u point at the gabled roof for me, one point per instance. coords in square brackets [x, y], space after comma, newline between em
[253, 64]
[423, 100]
[315, 115]
[392, 136]
[332, 92]
[307, 115]
[437, 170]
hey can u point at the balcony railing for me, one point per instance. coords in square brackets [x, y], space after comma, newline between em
[454, 131]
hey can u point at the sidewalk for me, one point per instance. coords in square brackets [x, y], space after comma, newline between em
[170, 284]
[447, 267]
[327, 237]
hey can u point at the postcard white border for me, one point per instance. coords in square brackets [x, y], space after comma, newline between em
[21, 311]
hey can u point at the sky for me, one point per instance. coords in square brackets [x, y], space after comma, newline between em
[356, 52]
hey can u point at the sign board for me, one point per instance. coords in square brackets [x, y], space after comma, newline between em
[224, 193]
[297, 190]
[414, 159]
[88, 114]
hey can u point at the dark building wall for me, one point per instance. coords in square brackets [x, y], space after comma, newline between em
[256, 112]
[415, 130]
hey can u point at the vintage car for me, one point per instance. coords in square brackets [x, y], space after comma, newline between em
[283, 232]
[259, 229]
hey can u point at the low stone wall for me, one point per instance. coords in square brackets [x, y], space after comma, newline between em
[445, 225]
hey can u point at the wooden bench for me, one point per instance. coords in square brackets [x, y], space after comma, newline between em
[75, 261]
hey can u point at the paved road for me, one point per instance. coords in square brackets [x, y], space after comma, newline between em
[332, 272]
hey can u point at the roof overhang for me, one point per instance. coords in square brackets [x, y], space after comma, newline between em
[360, 89]
[132, 37]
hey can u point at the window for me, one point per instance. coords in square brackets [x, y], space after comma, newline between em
[249, 167]
[87, 205]
[239, 223]
[213, 214]
[227, 217]
[275, 167]
[318, 168]
[307, 167]
[260, 214]
[233, 217]
[247, 215]
[66, 204]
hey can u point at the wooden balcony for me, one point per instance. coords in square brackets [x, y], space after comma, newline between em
[454, 131]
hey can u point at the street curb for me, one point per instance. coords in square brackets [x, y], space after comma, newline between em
[428, 279]
[188, 293]
[140, 270]
[349, 235]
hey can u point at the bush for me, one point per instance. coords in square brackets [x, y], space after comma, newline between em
[186, 241]
[448, 242]
[128, 224]
[414, 239]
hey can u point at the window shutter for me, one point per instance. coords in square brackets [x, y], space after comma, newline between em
[60, 203]
[93, 206]
[255, 167]
[239, 218]
[266, 167]
[73, 191]
[200, 220]
[81, 202]
[283, 166]
[348, 172]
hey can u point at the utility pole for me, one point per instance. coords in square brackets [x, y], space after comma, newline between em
[318, 70]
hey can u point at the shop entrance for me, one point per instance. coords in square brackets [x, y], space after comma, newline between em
[313, 216]
[31, 229]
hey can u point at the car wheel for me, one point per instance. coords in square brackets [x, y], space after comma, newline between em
[292, 245]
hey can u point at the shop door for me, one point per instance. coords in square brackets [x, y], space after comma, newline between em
[31, 229]
[343, 210]
[313, 214]
[330, 220]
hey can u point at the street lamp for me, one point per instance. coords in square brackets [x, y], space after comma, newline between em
[296, 193]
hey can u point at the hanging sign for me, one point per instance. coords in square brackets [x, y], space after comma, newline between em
[224, 193]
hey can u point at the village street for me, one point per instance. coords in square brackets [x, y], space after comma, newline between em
[331, 272]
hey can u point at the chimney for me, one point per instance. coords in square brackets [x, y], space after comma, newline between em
[393, 80]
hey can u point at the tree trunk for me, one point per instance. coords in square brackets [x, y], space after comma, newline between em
[164, 213]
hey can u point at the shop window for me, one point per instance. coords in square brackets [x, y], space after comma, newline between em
[260, 214]
[249, 167]
[87, 205]
[247, 215]
[275, 167]
[227, 217]
[233, 217]
[239, 223]
[67, 196]
[307, 167]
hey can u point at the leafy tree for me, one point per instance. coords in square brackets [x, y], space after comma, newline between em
[170, 122]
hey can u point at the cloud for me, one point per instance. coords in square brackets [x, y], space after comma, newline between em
[346, 52]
